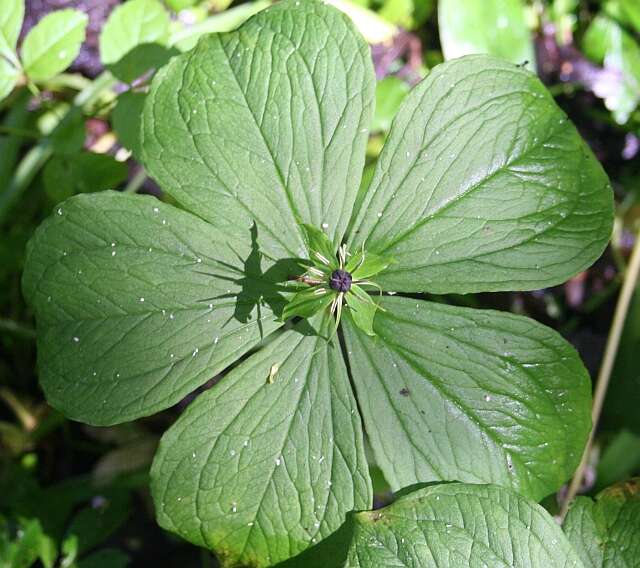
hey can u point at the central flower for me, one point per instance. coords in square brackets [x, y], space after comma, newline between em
[340, 280]
[333, 279]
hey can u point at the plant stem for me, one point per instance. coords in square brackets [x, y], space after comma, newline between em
[16, 328]
[136, 181]
[37, 157]
[604, 376]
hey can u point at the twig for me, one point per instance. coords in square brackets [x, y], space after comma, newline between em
[135, 183]
[604, 376]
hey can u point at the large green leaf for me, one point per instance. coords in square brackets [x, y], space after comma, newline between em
[455, 526]
[494, 27]
[605, 532]
[53, 44]
[270, 460]
[139, 303]
[11, 16]
[484, 185]
[451, 393]
[266, 124]
[132, 24]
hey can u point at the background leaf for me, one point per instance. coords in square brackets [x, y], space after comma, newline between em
[451, 393]
[84, 172]
[11, 17]
[605, 531]
[52, 45]
[236, 146]
[455, 525]
[494, 27]
[191, 303]
[257, 470]
[607, 43]
[131, 24]
[458, 214]
[8, 77]
[126, 119]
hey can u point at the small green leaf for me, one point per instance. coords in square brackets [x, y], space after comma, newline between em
[451, 393]
[131, 24]
[362, 309]
[308, 302]
[11, 16]
[407, 13]
[494, 27]
[236, 146]
[390, 92]
[459, 215]
[92, 525]
[455, 525]
[52, 45]
[66, 134]
[259, 471]
[126, 118]
[162, 302]
[8, 78]
[141, 59]
[631, 9]
[319, 247]
[605, 532]
[85, 172]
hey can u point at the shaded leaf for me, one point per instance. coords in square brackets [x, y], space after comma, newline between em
[141, 59]
[85, 172]
[451, 393]
[459, 214]
[94, 524]
[126, 118]
[52, 45]
[455, 525]
[107, 558]
[258, 471]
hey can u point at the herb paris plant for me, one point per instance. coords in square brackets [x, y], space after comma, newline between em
[260, 136]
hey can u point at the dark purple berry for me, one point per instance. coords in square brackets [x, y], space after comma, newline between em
[340, 280]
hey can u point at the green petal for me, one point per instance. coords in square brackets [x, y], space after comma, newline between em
[307, 303]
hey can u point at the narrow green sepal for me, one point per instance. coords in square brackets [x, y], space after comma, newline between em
[365, 264]
[362, 308]
[320, 248]
[307, 303]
